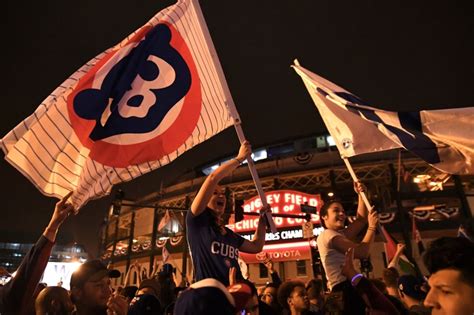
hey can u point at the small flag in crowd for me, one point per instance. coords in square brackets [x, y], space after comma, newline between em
[403, 264]
[443, 138]
[417, 237]
[130, 110]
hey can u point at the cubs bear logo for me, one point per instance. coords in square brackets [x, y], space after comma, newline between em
[138, 103]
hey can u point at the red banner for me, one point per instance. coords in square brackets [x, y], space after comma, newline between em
[280, 252]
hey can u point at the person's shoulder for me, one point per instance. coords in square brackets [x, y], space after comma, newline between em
[204, 214]
[328, 233]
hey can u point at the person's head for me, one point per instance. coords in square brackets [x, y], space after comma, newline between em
[129, 292]
[144, 304]
[53, 301]
[292, 296]
[269, 294]
[332, 215]
[149, 286]
[207, 296]
[390, 277]
[314, 288]
[410, 290]
[90, 285]
[218, 201]
[450, 261]
[245, 294]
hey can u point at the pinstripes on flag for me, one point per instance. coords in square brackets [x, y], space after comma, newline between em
[47, 149]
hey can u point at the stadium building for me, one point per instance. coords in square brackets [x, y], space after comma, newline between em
[405, 189]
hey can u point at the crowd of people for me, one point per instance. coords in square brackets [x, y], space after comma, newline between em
[218, 286]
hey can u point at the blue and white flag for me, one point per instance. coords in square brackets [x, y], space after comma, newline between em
[443, 138]
[130, 110]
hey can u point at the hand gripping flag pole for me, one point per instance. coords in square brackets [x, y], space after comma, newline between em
[235, 115]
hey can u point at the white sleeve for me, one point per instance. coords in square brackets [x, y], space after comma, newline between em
[328, 236]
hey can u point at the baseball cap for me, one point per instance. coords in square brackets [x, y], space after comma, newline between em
[209, 296]
[411, 286]
[92, 270]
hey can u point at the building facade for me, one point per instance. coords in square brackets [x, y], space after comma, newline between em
[150, 231]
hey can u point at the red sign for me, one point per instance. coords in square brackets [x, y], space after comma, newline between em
[280, 252]
[281, 201]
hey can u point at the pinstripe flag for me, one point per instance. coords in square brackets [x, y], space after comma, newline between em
[443, 138]
[132, 109]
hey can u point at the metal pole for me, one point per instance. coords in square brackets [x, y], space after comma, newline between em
[184, 266]
[363, 195]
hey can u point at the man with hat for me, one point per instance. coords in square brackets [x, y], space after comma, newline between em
[91, 291]
[412, 295]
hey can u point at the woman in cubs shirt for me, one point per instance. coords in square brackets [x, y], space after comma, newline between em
[215, 248]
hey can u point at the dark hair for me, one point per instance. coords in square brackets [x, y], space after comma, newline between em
[379, 284]
[285, 290]
[314, 288]
[129, 291]
[324, 210]
[451, 253]
[390, 277]
[252, 286]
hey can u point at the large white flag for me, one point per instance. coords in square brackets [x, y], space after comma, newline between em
[443, 138]
[132, 109]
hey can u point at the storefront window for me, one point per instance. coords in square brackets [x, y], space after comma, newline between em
[263, 271]
[301, 267]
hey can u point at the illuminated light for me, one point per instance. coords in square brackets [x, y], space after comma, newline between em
[210, 169]
[258, 155]
[433, 183]
[75, 265]
[135, 240]
[416, 180]
[286, 245]
[14, 273]
[330, 194]
[330, 141]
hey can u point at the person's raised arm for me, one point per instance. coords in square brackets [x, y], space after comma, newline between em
[394, 262]
[361, 250]
[62, 210]
[256, 244]
[18, 293]
[211, 182]
[375, 299]
[361, 219]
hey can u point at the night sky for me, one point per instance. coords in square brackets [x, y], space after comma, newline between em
[394, 55]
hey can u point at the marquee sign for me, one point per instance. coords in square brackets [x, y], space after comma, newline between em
[281, 201]
[288, 243]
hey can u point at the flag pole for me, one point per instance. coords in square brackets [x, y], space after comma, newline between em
[362, 194]
[233, 112]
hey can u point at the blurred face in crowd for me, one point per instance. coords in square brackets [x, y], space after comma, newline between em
[251, 308]
[335, 217]
[53, 300]
[449, 294]
[218, 201]
[94, 294]
[298, 299]
[268, 296]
